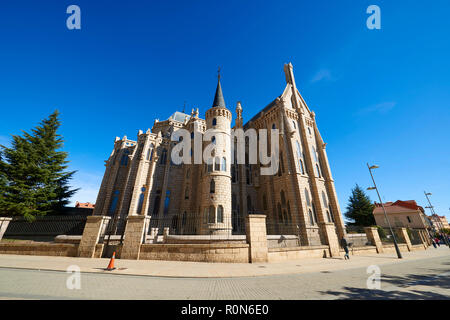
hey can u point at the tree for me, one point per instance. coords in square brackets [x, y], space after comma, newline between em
[33, 180]
[360, 209]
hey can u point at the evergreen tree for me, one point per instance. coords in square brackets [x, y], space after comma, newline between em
[360, 208]
[33, 168]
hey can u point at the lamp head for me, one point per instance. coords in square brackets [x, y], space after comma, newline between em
[373, 167]
[371, 188]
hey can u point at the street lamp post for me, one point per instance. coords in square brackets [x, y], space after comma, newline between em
[439, 223]
[399, 255]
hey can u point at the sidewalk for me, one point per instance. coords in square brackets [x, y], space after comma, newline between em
[213, 270]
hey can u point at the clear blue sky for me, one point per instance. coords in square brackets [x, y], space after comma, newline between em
[380, 96]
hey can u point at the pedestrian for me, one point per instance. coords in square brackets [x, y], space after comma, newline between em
[433, 243]
[437, 241]
[344, 245]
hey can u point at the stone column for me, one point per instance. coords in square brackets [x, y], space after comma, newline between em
[374, 238]
[135, 232]
[403, 234]
[329, 231]
[4, 222]
[419, 232]
[257, 237]
[95, 228]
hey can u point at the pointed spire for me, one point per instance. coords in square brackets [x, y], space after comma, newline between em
[219, 101]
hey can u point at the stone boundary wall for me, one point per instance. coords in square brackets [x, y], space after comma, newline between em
[295, 253]
[229, 252]
[390, 248]
[40, 249]
[361, 250]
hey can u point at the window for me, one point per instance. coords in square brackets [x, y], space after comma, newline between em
[318, 171]
[213, 139]
[114, 201]
[141, 201]
[329, 216]
[314, 213]
[219, 214]
[217, 164]
[274, 126]
[324, 198]
[167, 202]
[163, 158]
[214, 122]
[186, 193]
[124, 159]
[188, 173]
[224, 164]
[248, 174]
[300, 158]
[156, 205]
[150, 153]
[211, 216]
[233, 173]
[308, 201]
[311, 219]
[409, 219]
[295, 126]
[212, 186]
[281, 164]
[249, 204]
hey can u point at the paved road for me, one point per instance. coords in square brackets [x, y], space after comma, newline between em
[417, 279]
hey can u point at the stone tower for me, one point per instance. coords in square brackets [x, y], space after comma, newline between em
[216, 179]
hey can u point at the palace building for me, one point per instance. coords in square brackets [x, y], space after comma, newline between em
[213, 199]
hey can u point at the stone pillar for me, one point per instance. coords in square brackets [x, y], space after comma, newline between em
[329, 231]
[374, 238]
[4, 222]
[135, 232]
[403, 234]
[95, 228]
[257, 237]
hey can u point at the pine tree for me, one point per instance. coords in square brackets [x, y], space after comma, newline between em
[360, 208]
[33, 168]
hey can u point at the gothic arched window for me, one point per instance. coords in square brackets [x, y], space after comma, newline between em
[163, 158]
[211, 216]
[214, 121]
[311, 219]
[219, 214]
[224, 164]
[212, 186]
[114, 201]
[141, 201]
[308, 201]
[156, 205]
[217, 164]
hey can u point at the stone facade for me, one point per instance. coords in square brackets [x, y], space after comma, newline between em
[300, 199]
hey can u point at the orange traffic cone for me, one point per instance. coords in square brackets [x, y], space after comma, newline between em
[111, 262]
